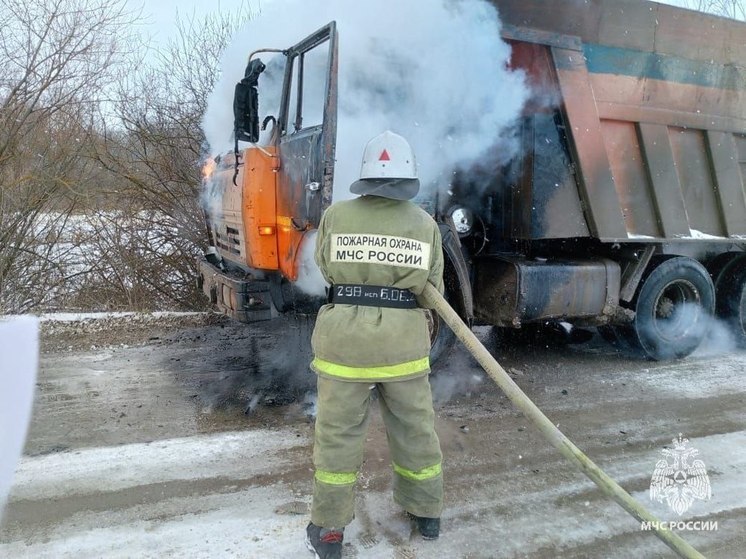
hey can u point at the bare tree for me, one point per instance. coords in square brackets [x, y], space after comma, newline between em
[56, 60]
[157, 147]
[733, 9]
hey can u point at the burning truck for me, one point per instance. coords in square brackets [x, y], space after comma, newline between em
[623, 209]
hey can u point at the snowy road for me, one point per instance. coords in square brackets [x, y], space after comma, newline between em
[144, 451]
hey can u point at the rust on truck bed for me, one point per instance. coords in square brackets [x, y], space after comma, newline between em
[655, 116]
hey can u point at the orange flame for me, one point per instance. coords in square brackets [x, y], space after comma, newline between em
[208, 169]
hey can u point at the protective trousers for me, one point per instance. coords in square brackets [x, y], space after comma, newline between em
[341, 425]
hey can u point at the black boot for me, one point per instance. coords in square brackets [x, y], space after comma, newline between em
[325, 543]
[428, 527]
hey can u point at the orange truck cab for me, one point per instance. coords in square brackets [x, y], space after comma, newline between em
[265, 200]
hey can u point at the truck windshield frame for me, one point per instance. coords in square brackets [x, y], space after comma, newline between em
[295, 82]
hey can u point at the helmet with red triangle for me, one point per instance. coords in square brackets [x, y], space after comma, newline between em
[389, 169]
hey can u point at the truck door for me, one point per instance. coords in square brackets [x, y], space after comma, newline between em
[308, 128]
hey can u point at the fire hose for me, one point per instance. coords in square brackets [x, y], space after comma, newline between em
[566, 447]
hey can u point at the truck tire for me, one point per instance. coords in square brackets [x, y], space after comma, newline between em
[442, 337]
[731, 301]
[673, 308]
[457, 293]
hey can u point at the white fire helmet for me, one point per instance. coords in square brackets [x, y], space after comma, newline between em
[389, 169]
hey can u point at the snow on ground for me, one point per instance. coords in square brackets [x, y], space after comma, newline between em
[115, 468]
[150, 470]
[75, 317]
[239, 524]
[226, 523]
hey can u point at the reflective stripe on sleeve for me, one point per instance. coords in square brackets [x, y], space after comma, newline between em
[336, 478]
[420, 475]
[371, 373]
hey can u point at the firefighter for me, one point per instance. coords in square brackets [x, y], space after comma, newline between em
[377, 252]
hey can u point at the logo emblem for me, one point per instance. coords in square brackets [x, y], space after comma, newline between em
[679, 479]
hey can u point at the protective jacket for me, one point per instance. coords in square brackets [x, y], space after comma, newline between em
[375, 241]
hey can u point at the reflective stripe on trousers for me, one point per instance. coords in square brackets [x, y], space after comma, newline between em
[372, 374]
[334, 478]
[420, 475]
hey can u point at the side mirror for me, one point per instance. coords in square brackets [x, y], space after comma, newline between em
[246, 104]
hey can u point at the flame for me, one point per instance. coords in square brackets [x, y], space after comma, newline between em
[208, 169]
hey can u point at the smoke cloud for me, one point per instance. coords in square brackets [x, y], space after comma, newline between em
[719, 337]
[433, 71]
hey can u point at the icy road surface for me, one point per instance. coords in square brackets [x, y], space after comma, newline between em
[140, 447]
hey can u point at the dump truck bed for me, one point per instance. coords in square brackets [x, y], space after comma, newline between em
[654, 102]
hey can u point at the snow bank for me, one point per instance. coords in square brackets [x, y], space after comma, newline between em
[80, 316]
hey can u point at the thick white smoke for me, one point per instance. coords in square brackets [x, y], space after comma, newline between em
[434, 71]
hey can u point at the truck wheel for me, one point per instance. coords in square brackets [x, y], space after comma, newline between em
[673, 308]
[731, 301]
[441, 336]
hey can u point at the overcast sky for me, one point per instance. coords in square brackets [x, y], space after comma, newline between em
[161, 14]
